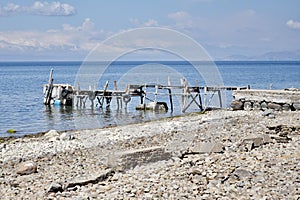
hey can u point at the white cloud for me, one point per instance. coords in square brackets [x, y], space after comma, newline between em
[81, 39]
[182, 19]
[55, 8]
[87, 26]
[179, 16]
[293, 24]
[149, 23]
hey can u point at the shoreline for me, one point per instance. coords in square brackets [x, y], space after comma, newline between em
[219, 154]
[13, 136]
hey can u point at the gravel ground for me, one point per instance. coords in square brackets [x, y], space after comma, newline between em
[258, 159]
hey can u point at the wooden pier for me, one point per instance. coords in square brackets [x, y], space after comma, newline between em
[200, 96]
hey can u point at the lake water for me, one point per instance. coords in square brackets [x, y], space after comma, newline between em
[21, 97]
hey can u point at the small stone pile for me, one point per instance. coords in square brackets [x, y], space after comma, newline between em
[286, 100]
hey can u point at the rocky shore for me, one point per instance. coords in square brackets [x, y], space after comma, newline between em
[214, 155]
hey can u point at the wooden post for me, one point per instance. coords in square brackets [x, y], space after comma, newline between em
[220, 98]
[119, 98]
[169, 81]
[50, 88]
[104, 91]
[205, 100]
[171, 100]
[127, 92]
[182, 95]
[185, 94]
[156, 93]
[145, 93]
[115, 89]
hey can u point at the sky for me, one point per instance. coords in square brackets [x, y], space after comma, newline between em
[70, 30]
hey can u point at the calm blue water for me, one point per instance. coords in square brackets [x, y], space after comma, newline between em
[21, 97]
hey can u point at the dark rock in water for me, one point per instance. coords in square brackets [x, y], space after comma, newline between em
[27, 167]
[55, 187]
[236, 105]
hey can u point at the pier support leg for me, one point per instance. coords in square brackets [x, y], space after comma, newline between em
[171, 100]
[220, 98]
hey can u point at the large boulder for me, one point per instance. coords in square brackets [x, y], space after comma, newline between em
[274, 106]
[236, 105]
[27, 167]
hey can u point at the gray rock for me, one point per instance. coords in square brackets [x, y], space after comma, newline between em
[51, 134]
[274, 106]
[2, 146]
[207, 147]
[247, 105]
[55, 187]
[256, 106]
[267, 112]
[180, 144]
[271, 116]
[236, 105]
[90, 178]
[66, 136]
[254, 141]
[129, 159]
[246, 145]
[103, 188]
[286, 107]
[264, 106]
[241, 173]
[296, 106]
[27, 167]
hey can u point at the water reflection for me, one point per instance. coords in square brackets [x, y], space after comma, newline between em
[58, 117]
[70, 118]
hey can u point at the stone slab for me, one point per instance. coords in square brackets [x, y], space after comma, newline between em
[276, 96]
[207, 147]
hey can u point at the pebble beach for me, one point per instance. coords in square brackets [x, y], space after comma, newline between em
[218, 154]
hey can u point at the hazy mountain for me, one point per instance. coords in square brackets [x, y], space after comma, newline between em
[282, 55]
[269, 56]
[236, 58]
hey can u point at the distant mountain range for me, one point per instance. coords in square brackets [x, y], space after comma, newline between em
[270, 56]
